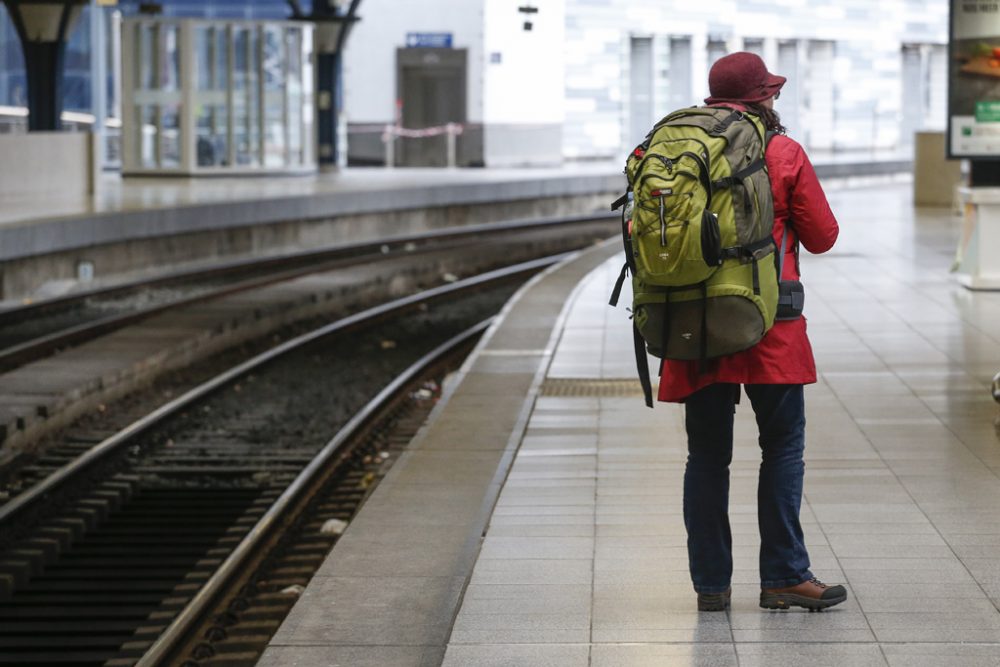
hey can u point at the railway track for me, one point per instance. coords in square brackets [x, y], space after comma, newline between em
[166, 541]
[36, 330]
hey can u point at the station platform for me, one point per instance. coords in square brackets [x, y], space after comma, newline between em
[137, 227]
[536, 519]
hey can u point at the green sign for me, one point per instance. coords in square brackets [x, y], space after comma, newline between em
[988, 112]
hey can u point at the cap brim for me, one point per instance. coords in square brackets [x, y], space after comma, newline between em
[774, 82]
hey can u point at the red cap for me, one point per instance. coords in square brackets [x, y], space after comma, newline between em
[741, 77]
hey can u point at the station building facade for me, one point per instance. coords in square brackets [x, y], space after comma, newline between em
[590, 77]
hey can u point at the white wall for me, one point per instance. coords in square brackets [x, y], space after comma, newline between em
[527, 85]
[523, 83]
[370, 57]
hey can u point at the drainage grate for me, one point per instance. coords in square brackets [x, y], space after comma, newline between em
[591, 387]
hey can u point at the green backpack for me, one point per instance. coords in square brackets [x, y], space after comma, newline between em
[697, 230]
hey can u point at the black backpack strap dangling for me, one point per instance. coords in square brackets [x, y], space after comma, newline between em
[642, 365]
[621, 201]
[617, 291]
[665, 332]
[703, 342]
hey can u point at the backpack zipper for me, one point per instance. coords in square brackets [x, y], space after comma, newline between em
[704, 146]
[663, 224]
[680, 172]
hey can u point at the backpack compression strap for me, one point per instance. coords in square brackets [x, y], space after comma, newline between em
[748, 170]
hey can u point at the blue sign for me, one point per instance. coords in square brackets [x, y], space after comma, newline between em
[428, 40]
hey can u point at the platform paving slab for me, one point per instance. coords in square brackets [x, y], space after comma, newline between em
[886, 476]
[901, 482]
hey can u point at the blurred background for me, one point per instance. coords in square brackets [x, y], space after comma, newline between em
[477, 83]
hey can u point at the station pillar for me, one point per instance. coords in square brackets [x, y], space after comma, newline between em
[333, 23]
[43, 27]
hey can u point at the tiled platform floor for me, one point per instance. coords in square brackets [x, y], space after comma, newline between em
[584, 560]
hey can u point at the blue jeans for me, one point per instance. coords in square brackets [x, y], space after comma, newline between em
[780, 411]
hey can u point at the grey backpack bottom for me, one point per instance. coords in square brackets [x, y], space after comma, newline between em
[701, 328]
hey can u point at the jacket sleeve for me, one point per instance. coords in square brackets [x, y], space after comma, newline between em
[811, 217]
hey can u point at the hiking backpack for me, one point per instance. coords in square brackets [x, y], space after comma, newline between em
[697, 227]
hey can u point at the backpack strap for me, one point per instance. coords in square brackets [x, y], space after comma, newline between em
[665, 331]
[629, 259]
[726, 122]
[703, 343]
[795, 250]
[621, 201]
[781, 253]
[642, 364]
[747, 252]
[617, 291]
[748, 170]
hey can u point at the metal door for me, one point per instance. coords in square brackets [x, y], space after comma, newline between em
[432, 92]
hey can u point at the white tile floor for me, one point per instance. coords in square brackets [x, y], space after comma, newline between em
[584, 561]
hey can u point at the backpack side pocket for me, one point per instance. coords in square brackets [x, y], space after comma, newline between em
[711, 239]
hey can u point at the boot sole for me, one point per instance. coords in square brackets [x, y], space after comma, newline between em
[786, 601]
[710, 602]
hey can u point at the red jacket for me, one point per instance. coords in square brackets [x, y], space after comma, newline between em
[784, 355]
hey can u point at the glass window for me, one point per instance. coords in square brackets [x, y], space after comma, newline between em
[307, 78]
[170, 135]
[212, 144]
[147, 44]
[293, 89]
[147, 136]
[273, 56]
[246, 97]
[204, 43]
[221, 58]
[204, 51]
[170, 72]
[274, 97]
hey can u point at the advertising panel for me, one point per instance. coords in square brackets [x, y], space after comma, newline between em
[974, 80]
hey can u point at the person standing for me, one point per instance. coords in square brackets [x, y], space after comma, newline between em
[772, 373]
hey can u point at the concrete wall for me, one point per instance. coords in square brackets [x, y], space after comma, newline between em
[47, 164]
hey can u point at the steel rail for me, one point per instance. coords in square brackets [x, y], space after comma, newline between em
[168, 641]
[101, 450]
[320, 260]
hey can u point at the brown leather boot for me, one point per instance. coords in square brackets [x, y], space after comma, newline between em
[814, 595]
[714, 601]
